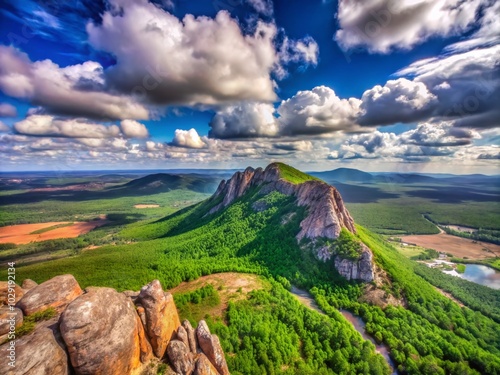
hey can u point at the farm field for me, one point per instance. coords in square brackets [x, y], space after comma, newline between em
[26, 233]
[459, 247]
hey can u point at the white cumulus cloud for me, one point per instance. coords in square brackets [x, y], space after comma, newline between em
[196, 60]
[187, 138]
[398, 100]
[317, 111]
[133, 129]
[45, 125]
[73, 90]
[246, 120]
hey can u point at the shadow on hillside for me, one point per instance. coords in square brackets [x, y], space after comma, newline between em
[447, 194]
[362, 194]
[108, 193]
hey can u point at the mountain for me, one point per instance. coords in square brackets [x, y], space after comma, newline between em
[405, 178]
[161, 182]
[326, 216]
[350, 175]
[156, 181]
[345, 175]
[251, 226]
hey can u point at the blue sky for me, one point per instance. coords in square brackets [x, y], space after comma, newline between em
[375, 85]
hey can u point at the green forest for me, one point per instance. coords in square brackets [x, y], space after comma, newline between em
[272, 333]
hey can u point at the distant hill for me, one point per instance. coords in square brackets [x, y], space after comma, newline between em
[345, 175]
[351, 175]
[161, 182]
[404, 178]
[156, 181]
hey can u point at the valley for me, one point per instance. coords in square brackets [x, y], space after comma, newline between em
[231, 253]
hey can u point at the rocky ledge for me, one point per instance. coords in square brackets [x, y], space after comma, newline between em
[326, 212]
[102, 331]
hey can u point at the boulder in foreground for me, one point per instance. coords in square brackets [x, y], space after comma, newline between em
[162, 319]
[103, 333]
[57, 292]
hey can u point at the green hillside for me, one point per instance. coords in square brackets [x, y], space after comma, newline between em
[293, 175]
[270, 333]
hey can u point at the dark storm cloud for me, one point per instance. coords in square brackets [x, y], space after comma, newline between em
[383, 25]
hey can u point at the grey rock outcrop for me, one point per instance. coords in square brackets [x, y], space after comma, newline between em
[327, 214]
[28, 284]
[193, 344]
[183, 336]
[7, 316]
[131, 294]
[57, 292]
[360, 269]
[204, 366]
[211, 347]
[180, 357]
[102, 331]
[4, 292]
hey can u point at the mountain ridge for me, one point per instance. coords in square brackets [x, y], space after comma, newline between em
[327, 215]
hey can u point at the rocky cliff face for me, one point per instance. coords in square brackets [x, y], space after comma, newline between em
[361, 269]
[326, 212]
[102, 331]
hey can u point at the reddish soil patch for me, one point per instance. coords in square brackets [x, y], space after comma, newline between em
[459, 247]
[20, 234]
[231, 286]
[146, 205]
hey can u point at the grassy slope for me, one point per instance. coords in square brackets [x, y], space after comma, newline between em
[293, 175]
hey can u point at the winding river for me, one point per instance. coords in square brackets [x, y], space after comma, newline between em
[358, 324]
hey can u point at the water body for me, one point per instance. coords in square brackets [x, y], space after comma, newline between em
[483, 275]
[358, 324]
[477, 273]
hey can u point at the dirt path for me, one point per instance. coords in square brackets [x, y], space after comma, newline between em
[306, 299]
[448, 295]
[437, 226]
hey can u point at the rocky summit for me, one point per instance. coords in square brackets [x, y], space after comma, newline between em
[102, 331]
[326, 211]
